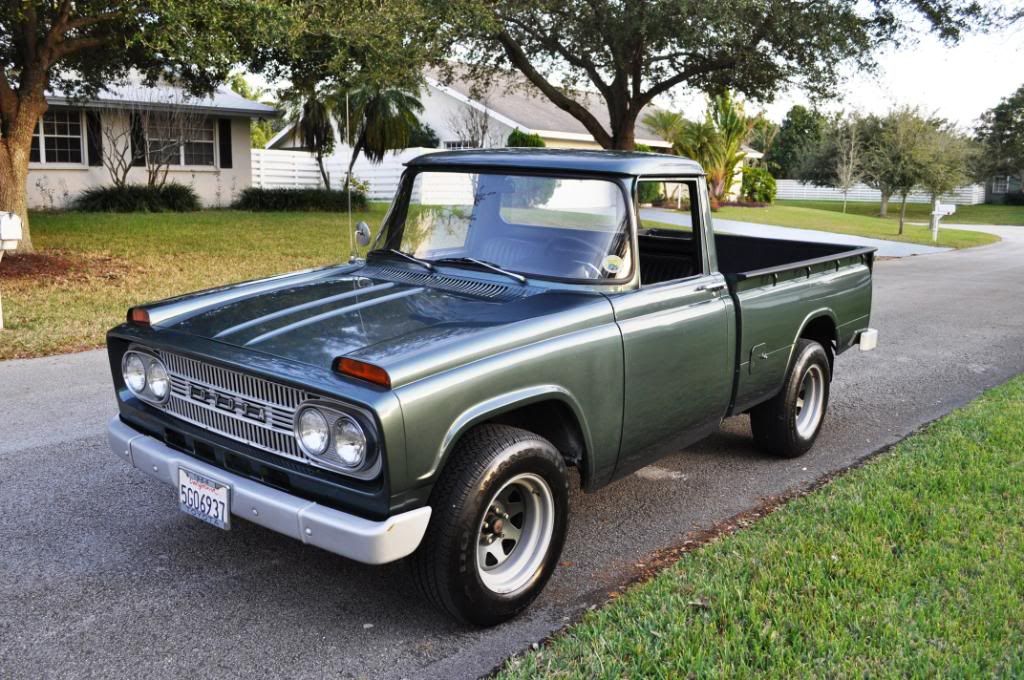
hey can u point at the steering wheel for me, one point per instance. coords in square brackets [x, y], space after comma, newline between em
[577, 244]
[588, 267]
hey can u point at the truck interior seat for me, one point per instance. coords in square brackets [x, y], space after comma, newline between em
[667, 258]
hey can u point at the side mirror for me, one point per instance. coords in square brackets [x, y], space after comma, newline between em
[362, 233]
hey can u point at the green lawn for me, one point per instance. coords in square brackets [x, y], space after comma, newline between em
[807, 215]
[911, 566]
[919, 212]
[91, 267]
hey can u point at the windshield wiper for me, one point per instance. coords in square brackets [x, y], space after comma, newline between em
[411, 258]
[481, 263]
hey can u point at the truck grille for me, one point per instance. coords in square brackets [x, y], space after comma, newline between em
[245, 408]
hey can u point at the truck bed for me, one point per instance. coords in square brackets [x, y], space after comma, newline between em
[781, 290]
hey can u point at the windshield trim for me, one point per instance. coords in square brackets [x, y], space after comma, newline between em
[624, 183]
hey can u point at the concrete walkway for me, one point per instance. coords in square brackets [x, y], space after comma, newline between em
[885, 248]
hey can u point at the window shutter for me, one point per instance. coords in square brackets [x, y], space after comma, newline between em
[224, 141]
[95, 136]
[138, 141]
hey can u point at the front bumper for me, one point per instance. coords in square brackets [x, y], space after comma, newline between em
[338, 532]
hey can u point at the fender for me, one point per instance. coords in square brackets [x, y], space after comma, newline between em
[816, 314]
[504, 403]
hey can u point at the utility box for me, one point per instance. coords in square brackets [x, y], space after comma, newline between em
[10, 231]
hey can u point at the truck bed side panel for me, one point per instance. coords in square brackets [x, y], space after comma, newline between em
[773, 309]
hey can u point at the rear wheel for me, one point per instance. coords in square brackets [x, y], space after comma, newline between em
[788, 424]
[500, 513]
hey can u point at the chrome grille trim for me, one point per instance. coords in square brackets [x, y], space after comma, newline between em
[275, 434]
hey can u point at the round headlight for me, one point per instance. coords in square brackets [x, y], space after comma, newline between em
[313, 431]
[134, 372]
[159, 382]
[349, 441]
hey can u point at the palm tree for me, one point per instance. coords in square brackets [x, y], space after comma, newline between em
[381, 119]
[668, 125]
[310, 112]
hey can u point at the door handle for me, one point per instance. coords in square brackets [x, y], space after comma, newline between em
[711, 287]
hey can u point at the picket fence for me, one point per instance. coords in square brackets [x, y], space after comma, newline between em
[794, 190]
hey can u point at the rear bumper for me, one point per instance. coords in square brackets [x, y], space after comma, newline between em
[338, 532]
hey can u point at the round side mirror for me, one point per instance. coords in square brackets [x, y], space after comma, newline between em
[362, 233]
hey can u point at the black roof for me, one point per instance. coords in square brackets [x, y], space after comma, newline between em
[570, 160]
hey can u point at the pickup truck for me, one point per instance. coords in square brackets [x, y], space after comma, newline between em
[515, 316]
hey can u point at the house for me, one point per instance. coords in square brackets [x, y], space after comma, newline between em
[134, 130]
[464, 118]
[998, 187]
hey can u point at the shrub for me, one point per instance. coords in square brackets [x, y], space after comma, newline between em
[648, 192]
[171, 197]
[300, 200]
[528, 139]
[758, 185]
[1014, 198]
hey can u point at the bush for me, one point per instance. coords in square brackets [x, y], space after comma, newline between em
[519, 138]
[758, 185]
[1015, 198]
[171, 197]
[648, 192]
[299, 200]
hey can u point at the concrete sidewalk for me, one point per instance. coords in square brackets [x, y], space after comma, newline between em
[885, 248]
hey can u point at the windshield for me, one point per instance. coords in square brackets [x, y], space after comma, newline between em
[542, 226]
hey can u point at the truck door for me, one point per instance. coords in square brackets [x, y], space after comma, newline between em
[677, 334]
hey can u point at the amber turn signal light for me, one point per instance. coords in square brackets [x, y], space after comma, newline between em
[138, 316]
[363, 371]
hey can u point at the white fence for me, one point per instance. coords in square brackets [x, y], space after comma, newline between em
[794, 190]
[272, 169]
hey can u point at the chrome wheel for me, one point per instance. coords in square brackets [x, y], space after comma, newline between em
[515, 533]
[810, 401]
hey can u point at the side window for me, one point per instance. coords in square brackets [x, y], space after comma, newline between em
[670, 248]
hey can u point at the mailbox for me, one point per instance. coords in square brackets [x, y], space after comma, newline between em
[10, 231]
[944, 209]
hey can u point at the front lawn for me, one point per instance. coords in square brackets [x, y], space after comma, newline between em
[920, 212]
[818, 215]
[911, 566]
[91, 267]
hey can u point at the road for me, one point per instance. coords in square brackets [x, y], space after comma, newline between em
[101, 576]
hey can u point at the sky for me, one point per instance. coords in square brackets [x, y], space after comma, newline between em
[957, 83]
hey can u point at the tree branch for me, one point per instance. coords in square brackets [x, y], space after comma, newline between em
[515, 54]
[69, 47]
[552, 43]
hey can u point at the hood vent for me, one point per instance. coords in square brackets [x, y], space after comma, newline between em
[484, 289]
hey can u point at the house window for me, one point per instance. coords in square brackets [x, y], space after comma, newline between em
[1000, 185]
[456, 144]
[58, 138]
[173, 143]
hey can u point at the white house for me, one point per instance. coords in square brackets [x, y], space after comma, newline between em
[510, 103]
[76, 141]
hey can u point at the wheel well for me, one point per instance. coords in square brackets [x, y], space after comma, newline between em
[822, 330]
[556, 422]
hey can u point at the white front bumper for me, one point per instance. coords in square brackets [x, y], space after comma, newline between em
[333, 530]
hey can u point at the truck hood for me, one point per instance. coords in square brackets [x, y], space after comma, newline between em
[389, 316]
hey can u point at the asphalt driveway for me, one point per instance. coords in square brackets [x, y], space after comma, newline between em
[101, 576]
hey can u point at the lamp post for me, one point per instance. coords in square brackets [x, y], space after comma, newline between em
[10, 235]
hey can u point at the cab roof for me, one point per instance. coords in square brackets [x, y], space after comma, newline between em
[623, 163]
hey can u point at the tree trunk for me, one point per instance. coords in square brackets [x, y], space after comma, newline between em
[885, 204]
[844, 202]
[323, 171]
[903, 211]
[15, 147]
[624, 132]
[352, 162]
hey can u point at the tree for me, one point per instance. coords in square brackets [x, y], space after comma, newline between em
[897, 154]
[260, 131]
[837, 160]
[79, 46]
[1001, 133]
[848, 154]
[310, 111]
[632, 52]
[519, 139]
[763, 134]
[380, 119]
[800, 135]
[424, 136]
[949, 157]
[472, 127]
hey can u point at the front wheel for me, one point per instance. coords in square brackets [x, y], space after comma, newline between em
[500, 513]
[787, 424]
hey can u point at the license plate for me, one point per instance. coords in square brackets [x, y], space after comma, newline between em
[204, 498]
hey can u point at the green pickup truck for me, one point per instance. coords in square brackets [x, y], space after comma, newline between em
[514, 317]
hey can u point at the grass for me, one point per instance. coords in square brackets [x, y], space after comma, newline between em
[911, 566]
[821, 216]
[92, 266]
[919, 212]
